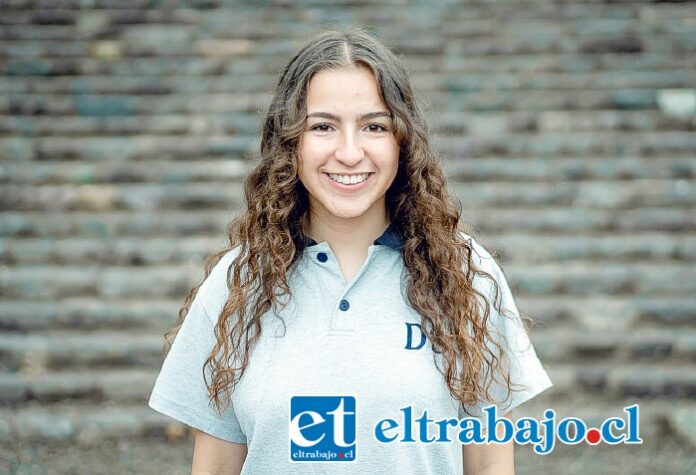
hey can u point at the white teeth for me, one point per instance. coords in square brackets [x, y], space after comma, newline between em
[349, 179]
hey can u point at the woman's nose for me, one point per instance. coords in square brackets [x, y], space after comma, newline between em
[350, 150]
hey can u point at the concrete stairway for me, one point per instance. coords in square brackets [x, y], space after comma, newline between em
[566, 131]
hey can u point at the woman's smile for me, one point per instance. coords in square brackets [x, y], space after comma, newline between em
[349, 182]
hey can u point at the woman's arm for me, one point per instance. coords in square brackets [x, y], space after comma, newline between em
[485, 459]
[213, 456]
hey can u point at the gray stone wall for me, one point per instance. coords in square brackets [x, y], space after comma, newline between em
[567, 129]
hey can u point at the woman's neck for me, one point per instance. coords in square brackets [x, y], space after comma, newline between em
[346, 234]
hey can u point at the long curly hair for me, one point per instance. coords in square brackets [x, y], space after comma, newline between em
[269, 234]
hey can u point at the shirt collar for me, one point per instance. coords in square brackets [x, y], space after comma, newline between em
[390, 238]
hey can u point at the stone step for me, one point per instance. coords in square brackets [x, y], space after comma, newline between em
[542, 169]
[138, 147]
[112, 105]
[489, 123]
[595, 194]
[569, 346]
[570, 144]
[40, 352]
[124, 196]
[215, 65]
[541, 13]
[122, 251]
[612, 380]
[477, 19]
[523, 144]
[491, 221]
[48, 282]
[587, 278]
[121, 104]
[179, 40]
[524, 247]
[593, 313]
[634, 43]
[117, 385]
[121, 223]
[234, 170]
[567, 278]
[541, 101]
[84, 423]
[160, 171]
[255, 82]
[233, 124]
[514, 247]
[607, 379]
[568, 81]
[604, 313]
[90, 313]
[450, 123]
[548, 62]
[56, 350]
[88, 423]
[554, 220]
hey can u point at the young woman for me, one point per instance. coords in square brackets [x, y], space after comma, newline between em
[350, 311]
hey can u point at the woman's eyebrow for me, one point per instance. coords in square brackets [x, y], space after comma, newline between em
[369, 115]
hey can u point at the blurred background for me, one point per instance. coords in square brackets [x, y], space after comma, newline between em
[127, 127]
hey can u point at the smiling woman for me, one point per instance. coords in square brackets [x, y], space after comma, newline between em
[348, 155]
[350, 290]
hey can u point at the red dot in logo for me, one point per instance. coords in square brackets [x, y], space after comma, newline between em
[593, 437]
[340, 455]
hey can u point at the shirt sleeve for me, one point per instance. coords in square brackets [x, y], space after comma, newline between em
[527, 375]
[179, 391]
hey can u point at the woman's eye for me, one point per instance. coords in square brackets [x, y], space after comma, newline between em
[321, 127]
[377, 128]
[327, 127]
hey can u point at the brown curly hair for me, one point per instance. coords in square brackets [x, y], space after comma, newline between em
[269, 234]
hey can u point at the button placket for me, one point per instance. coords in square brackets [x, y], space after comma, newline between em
[341, 320]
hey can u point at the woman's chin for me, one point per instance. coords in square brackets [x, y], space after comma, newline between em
[346, 213]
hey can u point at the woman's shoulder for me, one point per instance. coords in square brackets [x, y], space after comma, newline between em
[480, 256]
[213, 292]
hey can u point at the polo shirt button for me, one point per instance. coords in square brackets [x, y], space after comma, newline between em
[344, 305]
[322, 257]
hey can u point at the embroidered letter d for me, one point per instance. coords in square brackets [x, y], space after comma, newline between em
[409, 337]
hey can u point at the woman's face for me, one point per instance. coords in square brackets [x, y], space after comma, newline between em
[348, 154]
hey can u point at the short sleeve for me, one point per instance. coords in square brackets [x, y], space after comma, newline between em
[179, 391]
[527, 375]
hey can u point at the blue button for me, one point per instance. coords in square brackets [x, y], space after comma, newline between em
[322, 257]
[344, 305]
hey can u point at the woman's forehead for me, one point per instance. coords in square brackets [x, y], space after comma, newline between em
[344, 91]
[360, 117]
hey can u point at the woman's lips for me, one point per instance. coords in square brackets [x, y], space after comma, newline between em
[354, 187]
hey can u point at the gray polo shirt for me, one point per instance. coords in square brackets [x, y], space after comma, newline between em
[357, 343]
